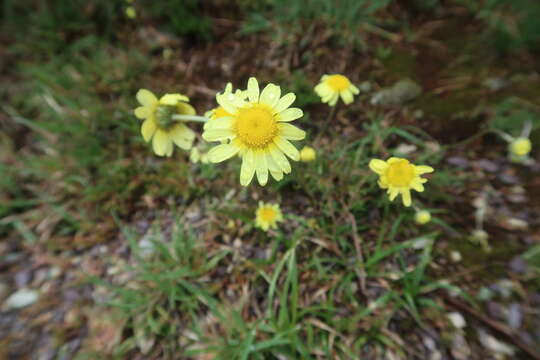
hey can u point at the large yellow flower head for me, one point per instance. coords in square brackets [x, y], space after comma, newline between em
[267, 216]
[399, 176]
[332, 87]
[521, 146]
[159, 125]
[258, 129]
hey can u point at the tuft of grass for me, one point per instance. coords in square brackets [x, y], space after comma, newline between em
[345, 18]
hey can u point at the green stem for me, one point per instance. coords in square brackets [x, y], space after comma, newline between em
[190, 118]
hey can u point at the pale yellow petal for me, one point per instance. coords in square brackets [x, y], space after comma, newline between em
[406, 196]
[378, 166]
[217, 134]
[220, 123]
[247, 169]
[423, 169]
[288, 148]
[182, 136]
[270, 95]
[227, 103]
[290, 114]
[291, 132]
[146, 98]
[347, 96]
[185, 109]
[172, 99]
[417, 185]
[148, 129]
[284, 102]
[261, 167]
[354, 90]
[143, 112]
[161, 143]
[222, 152]
[278, 175]
[253, 90]
[392, 193]
[280, 159]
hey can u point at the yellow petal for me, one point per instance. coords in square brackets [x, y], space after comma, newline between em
[146, 98]
[417, 185]
[291, 132]
[378, 166]
[253, 90]
[182, 136]
[222, 152]
[290, 114]
[284, 102]
[423, 169]
[261, 167]
[406, 196]
[217, 134]
[347, 96]
[392, 193]
[185, 109]
[270, 95]
[288, 148]
[354, 90]
[172, 99]
[280, 159]
[226, 101]
[161, 143]
[248, 169]
[147, 129]
[143, 112]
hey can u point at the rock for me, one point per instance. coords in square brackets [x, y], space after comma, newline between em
[514, 316]
[401, 92]
[494, 345]
[455, 256]
[457, 320]
[21, 298]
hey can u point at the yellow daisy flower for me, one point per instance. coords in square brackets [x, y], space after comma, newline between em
[399, 176]
[159, 124]
[422, 217]
[259, 130]
[307, 154]
[267, 216]
[521, 146]
[332, 87]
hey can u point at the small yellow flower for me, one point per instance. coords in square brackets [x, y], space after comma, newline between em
[422, 217]
[307, 154]
[331, 87]
[267, 216]
[521, 146]
[130, 12]
[258, 130]
[159, 126]
[399, 176]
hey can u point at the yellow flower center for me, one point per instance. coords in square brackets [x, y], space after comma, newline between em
[400, 173]
[338, 82]
[267, 214]
[256, 126]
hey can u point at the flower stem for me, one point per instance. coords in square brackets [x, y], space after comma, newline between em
[190, 118]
